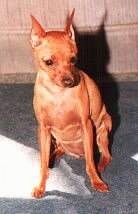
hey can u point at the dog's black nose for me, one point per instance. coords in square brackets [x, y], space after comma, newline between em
[68, 82]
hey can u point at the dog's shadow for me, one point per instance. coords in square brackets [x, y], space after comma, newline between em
[93, 58]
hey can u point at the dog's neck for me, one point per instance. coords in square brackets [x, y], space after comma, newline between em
[48, 84]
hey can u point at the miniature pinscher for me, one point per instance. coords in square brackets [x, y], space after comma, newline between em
[67, 104]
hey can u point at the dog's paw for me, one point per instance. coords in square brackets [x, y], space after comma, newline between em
[101, 167]
[101, 187]
[104, 163]
[38, 192]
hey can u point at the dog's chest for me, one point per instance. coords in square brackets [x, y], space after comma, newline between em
[61, 114]
[59, 110]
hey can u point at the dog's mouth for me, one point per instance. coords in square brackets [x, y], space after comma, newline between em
[71, 81]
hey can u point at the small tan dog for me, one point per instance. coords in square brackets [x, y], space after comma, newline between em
[67, 104]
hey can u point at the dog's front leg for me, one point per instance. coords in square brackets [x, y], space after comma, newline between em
[97, 183]
[44, 139]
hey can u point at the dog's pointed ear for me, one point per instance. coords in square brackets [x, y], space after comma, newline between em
[69, 27]
[37, 32]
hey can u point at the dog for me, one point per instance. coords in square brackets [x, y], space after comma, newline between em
[68, 105]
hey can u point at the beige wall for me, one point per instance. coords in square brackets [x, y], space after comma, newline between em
[121, 29]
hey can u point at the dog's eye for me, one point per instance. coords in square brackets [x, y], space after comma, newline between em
[73, 59]
[49, 62]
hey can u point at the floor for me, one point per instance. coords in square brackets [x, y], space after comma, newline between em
[68, 188]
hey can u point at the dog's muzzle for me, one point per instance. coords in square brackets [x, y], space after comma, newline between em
[71, 81]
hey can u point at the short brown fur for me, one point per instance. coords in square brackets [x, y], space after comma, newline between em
[67, 104]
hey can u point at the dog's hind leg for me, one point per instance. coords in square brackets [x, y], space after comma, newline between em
[102, 133]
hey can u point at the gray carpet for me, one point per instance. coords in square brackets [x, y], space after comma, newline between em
[68, 189]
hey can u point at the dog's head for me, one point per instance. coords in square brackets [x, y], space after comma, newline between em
[56, 53]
